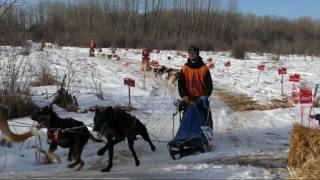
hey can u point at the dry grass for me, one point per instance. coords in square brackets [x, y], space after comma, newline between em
[19, 105]
[45, 78]
[66, 101]
[304, 155]
[240, 102]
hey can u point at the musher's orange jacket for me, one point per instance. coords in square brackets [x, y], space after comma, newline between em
[195, 80]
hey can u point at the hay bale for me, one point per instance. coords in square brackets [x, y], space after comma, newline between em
[304, 155]
[305, 145]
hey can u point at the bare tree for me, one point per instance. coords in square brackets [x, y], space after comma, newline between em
[174, 24]
[6, 5]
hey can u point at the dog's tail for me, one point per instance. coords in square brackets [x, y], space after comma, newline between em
[94, 138]
[8, 134]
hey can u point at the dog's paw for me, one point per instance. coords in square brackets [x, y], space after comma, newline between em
[72, 165]
[80, 167]
[107, 169]
[57, 160]
[153, 148]
[101, 152]
[137, 163]
[51, 158]
[47, 161]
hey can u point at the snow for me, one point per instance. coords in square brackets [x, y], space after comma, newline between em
[250, 145]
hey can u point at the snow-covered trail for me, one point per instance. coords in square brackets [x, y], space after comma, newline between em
[247, 141]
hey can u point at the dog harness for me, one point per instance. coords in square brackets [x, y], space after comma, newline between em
[53, 136]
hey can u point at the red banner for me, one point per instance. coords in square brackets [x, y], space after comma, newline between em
[282, 70]
[154, 64]
[129, 82]
[294, 78]
[295, 95]
[210, 65]
[305, 96]
[126, 64]
[261, 67]
[227, 64]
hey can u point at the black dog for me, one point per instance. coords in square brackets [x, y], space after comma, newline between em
[160, 71]
[116, 125]
[67, 133]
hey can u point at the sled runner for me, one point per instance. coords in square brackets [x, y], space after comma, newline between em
[193, 134]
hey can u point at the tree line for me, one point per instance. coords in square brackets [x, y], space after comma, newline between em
[164, 24]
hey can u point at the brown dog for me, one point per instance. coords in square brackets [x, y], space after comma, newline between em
[4, 127]
[173, 76]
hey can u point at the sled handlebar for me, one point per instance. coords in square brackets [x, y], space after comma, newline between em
[181, 105]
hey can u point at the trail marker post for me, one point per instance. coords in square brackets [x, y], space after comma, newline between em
[295, 94]
[130, 83]
[261, 68]
[210, 63]
[282, 71]
[155, 65]
[305, 98]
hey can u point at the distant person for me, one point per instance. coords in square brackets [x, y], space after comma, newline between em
[92, 45]
[42, 43]
[195, 85]
[146, 58]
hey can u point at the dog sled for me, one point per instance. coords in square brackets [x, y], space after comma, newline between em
[194, 135]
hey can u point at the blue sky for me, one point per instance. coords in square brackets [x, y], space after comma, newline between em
[285, 8]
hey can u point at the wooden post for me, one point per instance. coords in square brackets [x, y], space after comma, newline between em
[129, 96]
[282, 71]
[301, 113]
[282, 85]
[129, 82]
[258, 77]
[228, 72]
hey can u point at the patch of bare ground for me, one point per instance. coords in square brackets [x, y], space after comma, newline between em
[45, 78]
[241, 102]
[257, 160]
